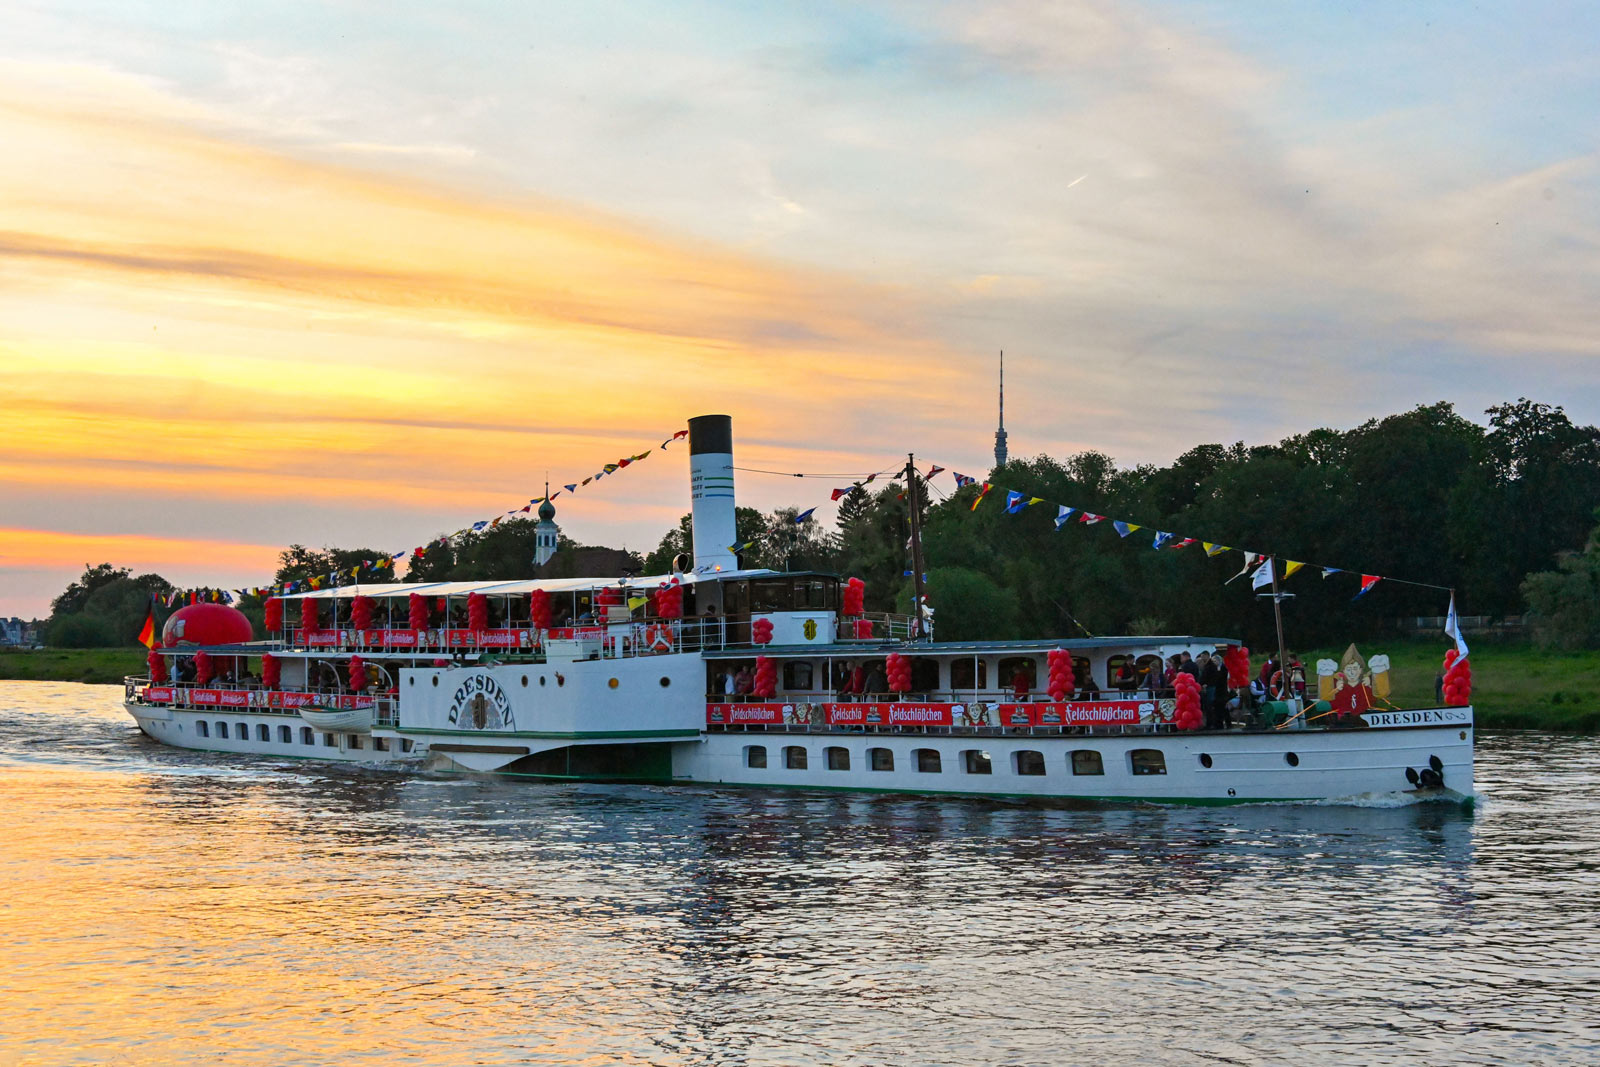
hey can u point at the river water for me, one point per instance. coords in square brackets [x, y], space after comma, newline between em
[163, 907]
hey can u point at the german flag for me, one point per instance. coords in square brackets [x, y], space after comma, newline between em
[147, 633]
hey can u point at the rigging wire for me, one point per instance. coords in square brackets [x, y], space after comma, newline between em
[816, 474]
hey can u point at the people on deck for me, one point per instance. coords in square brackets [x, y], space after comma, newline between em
[744, 681]
[1126, 678]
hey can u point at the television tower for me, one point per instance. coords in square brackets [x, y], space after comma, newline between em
[1000, 434]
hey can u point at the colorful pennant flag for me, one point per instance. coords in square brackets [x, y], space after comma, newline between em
[1161, 540]
[1015, 502]
[935, 469]
[837, 493]
[1290, 566]
[1263, 575]
[804, 516]
[962, 481]
[1063, 513]
[1326, 571]
[981, 494]
[1124, 528]
[573, 488]
[1367, 582]
[1089, 519]
[1214, 549]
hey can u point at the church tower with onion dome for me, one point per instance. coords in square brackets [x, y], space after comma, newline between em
[546, 534]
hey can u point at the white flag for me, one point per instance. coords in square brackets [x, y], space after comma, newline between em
[1452, 628]
[1263, 575]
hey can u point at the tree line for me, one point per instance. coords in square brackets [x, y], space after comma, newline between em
[1500, 512]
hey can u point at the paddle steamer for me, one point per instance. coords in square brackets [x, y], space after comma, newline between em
[735, 677]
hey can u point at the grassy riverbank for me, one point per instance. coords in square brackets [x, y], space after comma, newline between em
[94, 665]
[1515, 686]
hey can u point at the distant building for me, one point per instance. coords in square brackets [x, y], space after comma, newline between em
[16, 633]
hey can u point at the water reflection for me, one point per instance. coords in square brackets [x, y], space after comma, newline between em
[170, 907]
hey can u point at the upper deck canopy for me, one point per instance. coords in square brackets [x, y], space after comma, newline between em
[513, 588]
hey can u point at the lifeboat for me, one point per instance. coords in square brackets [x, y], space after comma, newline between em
[338, 720]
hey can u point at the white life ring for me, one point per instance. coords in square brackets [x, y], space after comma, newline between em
[659, 638]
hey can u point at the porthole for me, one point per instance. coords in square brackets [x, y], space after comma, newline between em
[411, 681]
[1291, 759]
[541, 679]
[436, 681]
[1205, 759]
[612, 684]
[524, 681]
[1463, 735]
[665, 682]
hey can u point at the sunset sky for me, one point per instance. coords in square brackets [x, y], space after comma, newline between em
[359, 274]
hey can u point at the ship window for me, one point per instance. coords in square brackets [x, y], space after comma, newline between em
[967, 674]
[1291, 759]
[928, 761]
[406, 744]
[354, 740]
[1030, 762]
[202, 729]
[222, 730]
[880, 759]
[285, 735]
[244, 732]
[974, 761]
[380, 744]
[838, 758]
[1147, 761]
[263, 732]
[794, 757]
[1087, 761]
[665, 681]
[329, 741]
[773, 594]
[306, 736]
[797, 675]
[1205, 759]
[755, 756]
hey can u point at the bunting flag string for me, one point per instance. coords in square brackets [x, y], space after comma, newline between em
[1256, 562]
[388, 563]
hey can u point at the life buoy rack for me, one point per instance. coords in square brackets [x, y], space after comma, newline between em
[1275, 687]
[658, 638]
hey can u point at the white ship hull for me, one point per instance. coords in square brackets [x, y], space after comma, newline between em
[645, 719]
[201, 730]
[1329, 765]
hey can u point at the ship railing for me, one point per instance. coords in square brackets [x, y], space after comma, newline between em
[256, 702]
[885, 626]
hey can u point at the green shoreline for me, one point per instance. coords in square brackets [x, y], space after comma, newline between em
[1515, 686]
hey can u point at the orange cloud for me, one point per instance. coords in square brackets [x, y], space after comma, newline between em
[38, 549]
[188, 315]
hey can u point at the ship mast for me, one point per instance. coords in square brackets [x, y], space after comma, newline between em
[914, 507]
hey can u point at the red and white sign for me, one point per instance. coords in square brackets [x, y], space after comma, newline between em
[505, 639]
[745, 714]
[861, 714]
[1077, 713]
[290, 700]
[157, 694]
[316, 638]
